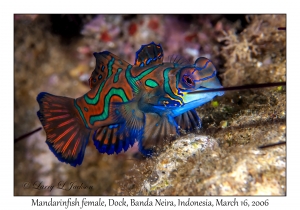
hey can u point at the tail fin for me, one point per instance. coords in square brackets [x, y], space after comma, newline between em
[67, 135]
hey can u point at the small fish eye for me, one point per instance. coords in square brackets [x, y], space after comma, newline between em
[189, 81]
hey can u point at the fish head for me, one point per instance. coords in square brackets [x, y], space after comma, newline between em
[202, 75]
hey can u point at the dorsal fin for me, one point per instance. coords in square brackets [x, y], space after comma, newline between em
[106, 64]
[149, 54]
[177, 59]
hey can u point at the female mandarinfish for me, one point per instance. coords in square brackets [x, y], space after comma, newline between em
[144, 102]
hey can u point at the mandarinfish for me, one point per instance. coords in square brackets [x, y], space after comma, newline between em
[145, 102]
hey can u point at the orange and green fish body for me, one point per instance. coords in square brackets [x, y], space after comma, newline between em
[145, 102]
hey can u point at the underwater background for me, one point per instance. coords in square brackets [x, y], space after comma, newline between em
[53, 53]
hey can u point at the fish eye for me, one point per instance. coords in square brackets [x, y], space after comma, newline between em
[188, 81]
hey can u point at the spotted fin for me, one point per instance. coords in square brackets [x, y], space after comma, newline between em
[106, 64]
[189, 120]
[67, 135]
[150, 54]
[159, 131]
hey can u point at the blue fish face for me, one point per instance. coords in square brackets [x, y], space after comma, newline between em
[200, 76]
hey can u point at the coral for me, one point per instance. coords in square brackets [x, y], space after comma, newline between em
[257, 54]
[196, 165]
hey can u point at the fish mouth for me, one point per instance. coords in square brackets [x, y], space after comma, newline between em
[201, 97]
[201, 88]
[192, 101]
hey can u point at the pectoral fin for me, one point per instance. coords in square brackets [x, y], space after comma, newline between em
[189, 120]
[158, 131]
[132, 122]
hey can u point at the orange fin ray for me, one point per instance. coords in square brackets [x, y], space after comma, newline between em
[67, 136]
